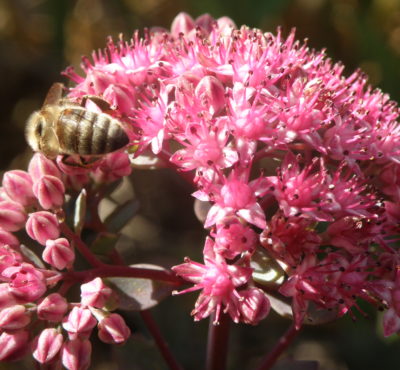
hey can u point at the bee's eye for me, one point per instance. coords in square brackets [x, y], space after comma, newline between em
[39, 128]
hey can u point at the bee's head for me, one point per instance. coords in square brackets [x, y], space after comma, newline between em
[40, 134]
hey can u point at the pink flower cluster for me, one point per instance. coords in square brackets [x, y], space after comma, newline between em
[34, 314]
[295, 161]
[294, 158]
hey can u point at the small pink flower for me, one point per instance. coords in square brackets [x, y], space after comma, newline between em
[113, 329]
[58, 253]
[254, 305]
[218, 282]
[76, 354]
[9, 257]
[299, 192]
[14, 317]
[18, 186]
[95, 293]
[233, 238]
[238, 197]
[12, 215]
[42, 226]
[14, 346]
[205, 148]
[50, 191]
[52, 308]
[40, 166]
[79, 323]
[113, 167]
[288, 238]
[26, 282]
[47, 345]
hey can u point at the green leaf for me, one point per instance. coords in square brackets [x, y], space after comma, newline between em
[122, 215]
[314, 315]
[104, 243]
[318, 316]
[266, 270]
[80, 211]
[31, 256]
[281, 306]
[140, 294]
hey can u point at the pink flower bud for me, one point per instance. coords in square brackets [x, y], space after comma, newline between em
[40, 166]
[255, 305]
[14, 317]
[8, 257]
[18, 186]
[58, 253]
[79, 323]
[47, 345]
[3, 194]
[120, 97]
[95, 293]
[76, 181]
[50, 191]
[42, 226]
[182, 23]
[7, 238]
[211, 93]
[113, 329]
[76, 354]
[205, 21]
[6, 297]
[12, 216]
[26, 282]
[226, 25]
[113, 167]
[13, 346]
[52, 308]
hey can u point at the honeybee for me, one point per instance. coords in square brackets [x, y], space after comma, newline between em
[63, 127]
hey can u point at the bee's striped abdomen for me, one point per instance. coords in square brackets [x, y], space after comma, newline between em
[88, 133]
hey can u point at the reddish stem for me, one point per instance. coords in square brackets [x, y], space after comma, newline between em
[123, 271]
[217, 343]
[81, 246]
[158, 338]
[283, 343]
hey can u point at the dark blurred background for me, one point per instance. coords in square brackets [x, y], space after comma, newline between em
[40, 38]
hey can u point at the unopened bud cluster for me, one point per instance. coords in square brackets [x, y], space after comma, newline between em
[35, 316]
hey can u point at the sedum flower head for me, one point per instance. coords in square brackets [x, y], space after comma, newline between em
[296, 159]
[296, 162]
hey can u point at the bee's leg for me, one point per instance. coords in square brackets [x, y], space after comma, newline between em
[89, 161]
[100, 102]
[72, 161]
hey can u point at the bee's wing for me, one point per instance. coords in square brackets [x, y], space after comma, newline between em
[54, 94]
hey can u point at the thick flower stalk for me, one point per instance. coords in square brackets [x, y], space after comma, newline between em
[295, 161]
